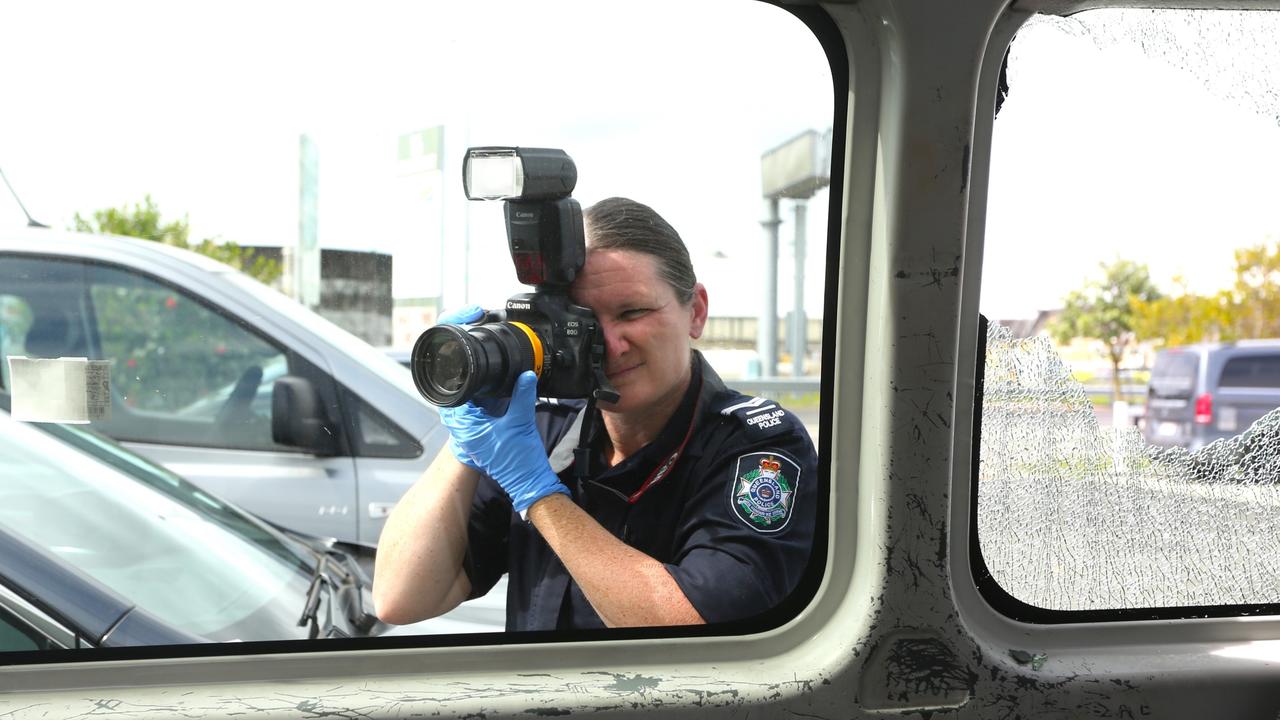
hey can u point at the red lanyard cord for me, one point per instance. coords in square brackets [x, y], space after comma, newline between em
[665, 468]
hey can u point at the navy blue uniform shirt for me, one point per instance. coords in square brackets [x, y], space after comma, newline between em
[725, 497]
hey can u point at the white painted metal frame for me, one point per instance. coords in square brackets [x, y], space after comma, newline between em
[897, 627]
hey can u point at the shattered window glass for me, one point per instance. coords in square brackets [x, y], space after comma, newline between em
[1130, 426]
[1077, 515]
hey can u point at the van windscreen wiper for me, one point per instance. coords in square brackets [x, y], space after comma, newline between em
[346, 582]
[311, 606]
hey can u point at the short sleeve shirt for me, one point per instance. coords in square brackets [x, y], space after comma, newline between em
[725, 497]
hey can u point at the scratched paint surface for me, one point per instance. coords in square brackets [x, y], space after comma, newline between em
[1076, 516]
[532, 695]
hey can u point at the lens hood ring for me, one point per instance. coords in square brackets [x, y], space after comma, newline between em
[443, 364]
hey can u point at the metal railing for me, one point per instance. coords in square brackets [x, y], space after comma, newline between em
[741, 332]
[776, 385]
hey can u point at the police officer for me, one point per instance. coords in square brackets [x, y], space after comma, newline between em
[699, 502]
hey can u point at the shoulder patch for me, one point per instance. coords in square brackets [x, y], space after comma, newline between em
[762, 417]
[763, 491]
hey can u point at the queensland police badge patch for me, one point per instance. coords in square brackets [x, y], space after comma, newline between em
[764, 490]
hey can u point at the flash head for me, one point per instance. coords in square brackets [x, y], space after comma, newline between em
[544, 330]
[513, 173]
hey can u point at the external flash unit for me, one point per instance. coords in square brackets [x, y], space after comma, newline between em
[512, 173]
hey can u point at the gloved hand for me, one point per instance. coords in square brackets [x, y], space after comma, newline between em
[462, 316]
[507, 448]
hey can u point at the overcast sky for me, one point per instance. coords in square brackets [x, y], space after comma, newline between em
[201, 105]
[1100, 151]
[1105, 150]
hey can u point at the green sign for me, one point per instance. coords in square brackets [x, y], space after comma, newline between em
[424, 148]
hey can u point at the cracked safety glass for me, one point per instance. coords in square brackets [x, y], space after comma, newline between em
[1130, 417]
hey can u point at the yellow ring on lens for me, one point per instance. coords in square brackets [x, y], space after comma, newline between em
[537, 347]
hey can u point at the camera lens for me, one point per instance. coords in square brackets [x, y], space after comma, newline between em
[452, 364]
[446, 365]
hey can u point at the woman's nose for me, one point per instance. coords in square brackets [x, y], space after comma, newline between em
[615, 344]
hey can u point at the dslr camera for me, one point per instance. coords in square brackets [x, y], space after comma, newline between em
[543, 330]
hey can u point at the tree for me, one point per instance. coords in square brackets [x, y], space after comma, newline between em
[1250, 309]
[1185, 318]
[143, 221]
[1256, 292]
[1104, 309]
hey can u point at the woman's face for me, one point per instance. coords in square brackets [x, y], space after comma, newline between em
[647, 331]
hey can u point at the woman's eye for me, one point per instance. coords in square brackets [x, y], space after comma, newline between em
[634, 313]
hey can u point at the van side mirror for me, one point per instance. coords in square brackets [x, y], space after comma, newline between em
[298, 418]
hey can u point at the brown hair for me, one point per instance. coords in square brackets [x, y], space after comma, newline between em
[621, 224]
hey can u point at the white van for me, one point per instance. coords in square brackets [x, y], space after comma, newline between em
[1211, 391]
[197, 351]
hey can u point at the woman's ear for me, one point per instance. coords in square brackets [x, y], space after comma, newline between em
[698, 311]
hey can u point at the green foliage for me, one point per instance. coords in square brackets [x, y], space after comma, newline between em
[1106, 309]
[1250, 309]
[1186, 318]
[143, 221]
[262, 268]
[1256, 293]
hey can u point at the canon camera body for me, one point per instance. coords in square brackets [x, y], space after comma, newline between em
[543, 330]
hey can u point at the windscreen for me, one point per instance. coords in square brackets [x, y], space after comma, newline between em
[1174, 374]
[168, 554]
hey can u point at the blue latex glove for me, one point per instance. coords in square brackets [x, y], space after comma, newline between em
[507, 448]
[461, 316]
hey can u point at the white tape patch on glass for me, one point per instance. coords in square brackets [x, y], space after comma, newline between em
[1077, 515]
[67, 390]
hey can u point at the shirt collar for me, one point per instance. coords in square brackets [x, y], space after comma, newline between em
[654, 462]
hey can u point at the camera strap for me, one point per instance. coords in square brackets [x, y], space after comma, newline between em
[582, 453]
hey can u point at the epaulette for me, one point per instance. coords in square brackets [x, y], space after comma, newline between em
[762, 418]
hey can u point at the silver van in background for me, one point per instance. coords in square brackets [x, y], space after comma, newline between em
[1211, 391]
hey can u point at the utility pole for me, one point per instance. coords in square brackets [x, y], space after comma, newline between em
[767, 334]
[799, 324]
[796, 170]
